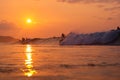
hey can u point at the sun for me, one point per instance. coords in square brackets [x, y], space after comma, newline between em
[29, 20]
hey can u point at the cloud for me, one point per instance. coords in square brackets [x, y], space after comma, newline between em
[101, 6]
[109, 18]
[7, 28]
[112, 8]
[4, 25]
[90, 1]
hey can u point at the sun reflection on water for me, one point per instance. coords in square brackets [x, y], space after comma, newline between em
[29, 69]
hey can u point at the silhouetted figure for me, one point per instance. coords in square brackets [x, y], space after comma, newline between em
[62, 37]
[118, 28]
[23, 39]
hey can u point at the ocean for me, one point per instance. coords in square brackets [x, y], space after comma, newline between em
[55, 62]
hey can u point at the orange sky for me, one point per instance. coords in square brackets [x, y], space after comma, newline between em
[53, 17]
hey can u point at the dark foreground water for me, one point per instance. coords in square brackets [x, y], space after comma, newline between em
[48, 62]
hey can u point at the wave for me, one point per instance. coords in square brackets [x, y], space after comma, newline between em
[107, 37]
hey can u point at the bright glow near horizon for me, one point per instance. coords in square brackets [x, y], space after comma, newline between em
[29, 20]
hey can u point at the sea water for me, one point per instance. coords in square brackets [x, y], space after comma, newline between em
[54, 62]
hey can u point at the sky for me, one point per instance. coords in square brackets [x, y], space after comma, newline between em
[53, 17]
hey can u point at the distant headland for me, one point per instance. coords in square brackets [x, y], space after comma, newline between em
[23, 41]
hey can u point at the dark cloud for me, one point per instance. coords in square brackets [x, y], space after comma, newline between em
[4, 25]
[7, 28]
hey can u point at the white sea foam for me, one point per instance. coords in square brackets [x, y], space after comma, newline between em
[92, 38]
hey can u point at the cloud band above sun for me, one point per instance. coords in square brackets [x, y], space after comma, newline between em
[90, 1]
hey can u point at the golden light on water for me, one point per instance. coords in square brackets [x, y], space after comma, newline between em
[28, 49]
[29, 70]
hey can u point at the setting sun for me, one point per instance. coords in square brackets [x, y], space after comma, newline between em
[59, 39]
[29, 21]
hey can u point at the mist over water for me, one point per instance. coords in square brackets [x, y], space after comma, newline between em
[54, 62]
